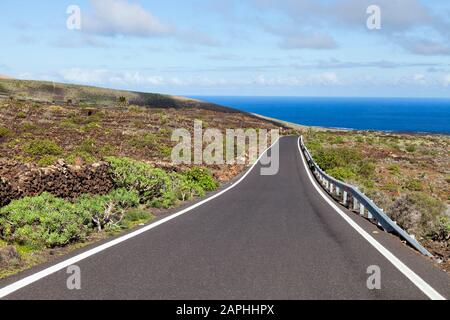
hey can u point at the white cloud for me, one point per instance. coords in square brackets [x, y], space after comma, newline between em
[445, 81]
[321, 79]
[327, 78]
[123, 18]
[119, 17]
[426, 47]
[137, 79]
[91, 76]
[420, 78]
[313, 41]
[401, 19]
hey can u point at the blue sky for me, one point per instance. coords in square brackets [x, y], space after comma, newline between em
[233, 47]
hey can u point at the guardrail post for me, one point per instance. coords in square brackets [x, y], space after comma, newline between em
[331, 188]
[338, 191]
[345, 198]
[355, 204]
[369, 215]
[361, 210]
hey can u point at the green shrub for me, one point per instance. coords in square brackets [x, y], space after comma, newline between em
[165, 150]
[442, 232]
[47, 161]
[137, 215]
[107, 211]
[329, 158]
[157, 188]
[41, 148]
[418, 213]
[83, 156]
[130, 174]
[135, 109]
[21, 115]
[43, 221]
[148, 140]
[123, 100]
[181, 188]
[88, 145]
[414, 185]
[313, 145]
[411, 148]
[203, 178]
[343, 174]
[391, 187]
[337, 140]
[394, 169]
[5, 132]
[27, 126]
[366, 168]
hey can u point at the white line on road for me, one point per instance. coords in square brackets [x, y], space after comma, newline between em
[67, 263]
[411, 275]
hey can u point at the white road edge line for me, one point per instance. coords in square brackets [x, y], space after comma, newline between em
[411, 275]
[67, 263]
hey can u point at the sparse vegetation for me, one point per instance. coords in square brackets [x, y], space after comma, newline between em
[41, 148]
[404, 174]
[5, 132]
[419, 214]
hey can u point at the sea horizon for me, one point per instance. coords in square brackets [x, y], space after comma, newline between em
[389, 114]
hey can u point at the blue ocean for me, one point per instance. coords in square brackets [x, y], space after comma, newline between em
[385, 114]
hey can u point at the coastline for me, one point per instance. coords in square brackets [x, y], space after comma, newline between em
[296, 126]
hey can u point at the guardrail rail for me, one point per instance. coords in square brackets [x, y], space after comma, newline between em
[354, 199]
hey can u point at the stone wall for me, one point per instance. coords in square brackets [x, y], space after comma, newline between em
[61, 180]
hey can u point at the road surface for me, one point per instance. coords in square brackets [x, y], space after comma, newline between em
[270, 237]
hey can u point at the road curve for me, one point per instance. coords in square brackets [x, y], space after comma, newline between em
[270, 237]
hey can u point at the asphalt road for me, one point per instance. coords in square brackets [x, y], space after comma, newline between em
[270, 237]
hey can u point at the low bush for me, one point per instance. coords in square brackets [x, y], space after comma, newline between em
[130, 174]
[329, 158]
[337, 140]
[411, 148]
[414, 185]
[418, 213]
[108, 211]
[156, 187]
[80, 156]
[123, 100]
[442, 232]
[148, 140]
[5, 132]
[47, 222]
[394, 169]
[21, 115]
[181, 188]
[47, 161]
[203, 178]
[135, 216]
[165, 150]
[43, 221]
[41, 148]
[343, 174]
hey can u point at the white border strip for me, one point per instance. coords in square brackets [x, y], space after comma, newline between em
[411, 275]
[67, 263]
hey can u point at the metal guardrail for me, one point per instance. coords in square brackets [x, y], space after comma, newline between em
[351, 197]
